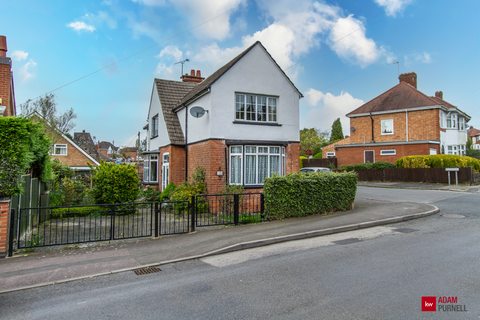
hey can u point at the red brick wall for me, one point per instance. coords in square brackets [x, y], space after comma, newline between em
[422, 125]
[4, 226]
[5, 89]
[353, 155]
[292, 154]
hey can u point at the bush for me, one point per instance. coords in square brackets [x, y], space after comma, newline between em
[186, 190]
[167, 192]
[115, 183]
[71, 212]
[474, 153]
[439, 161]
[301, 161]
[379, 165]
[149, 194]
[297, 195]
[318, 156]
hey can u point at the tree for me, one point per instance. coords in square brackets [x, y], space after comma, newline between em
[123, 153]
[47, 108]
[337, 131]
[311, 141]
[142, 146]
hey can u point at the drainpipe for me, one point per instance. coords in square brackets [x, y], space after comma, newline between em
[186, 145]
[373, 140]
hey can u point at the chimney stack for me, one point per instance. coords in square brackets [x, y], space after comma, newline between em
[192, 77]
[410, 78]
[3, 46]
[439, 94]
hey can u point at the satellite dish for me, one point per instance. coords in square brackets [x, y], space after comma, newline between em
[352, 128]
[197, 112]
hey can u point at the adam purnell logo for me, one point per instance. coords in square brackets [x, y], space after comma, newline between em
[444, 304]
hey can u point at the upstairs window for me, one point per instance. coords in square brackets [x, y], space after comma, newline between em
[461, 124]
[387, 126]
[257, 108]
[60, 149]
[452, 120]
[154, 126]
[442, 119]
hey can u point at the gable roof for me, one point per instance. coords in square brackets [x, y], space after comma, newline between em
[403, 96]
[170, 93]
[104, 145]
[95, 162]
[473, 132]
[205, 85]
[84, 141]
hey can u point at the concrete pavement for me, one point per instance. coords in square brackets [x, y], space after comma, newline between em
[24, 271]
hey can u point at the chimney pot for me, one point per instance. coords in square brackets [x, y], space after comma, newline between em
[3, 46]
[439, 94]
[410, 78]
[192, 73]
[83, 131]
[198, 73]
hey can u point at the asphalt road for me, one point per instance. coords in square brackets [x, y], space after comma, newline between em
[376, 273]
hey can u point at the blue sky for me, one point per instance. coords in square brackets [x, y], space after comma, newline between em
[338, 53]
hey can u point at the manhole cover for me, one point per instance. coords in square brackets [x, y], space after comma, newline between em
[147, 270]
[347, 241]
[454, 216]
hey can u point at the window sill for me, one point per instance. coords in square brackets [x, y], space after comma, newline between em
[59, 155]
[153, 137]
[258, 123]
[150, 183]
[387, 134]
[257, 186]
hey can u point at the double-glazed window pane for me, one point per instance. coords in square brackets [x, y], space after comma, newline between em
[255, 108]
[250, 169]
[262, 168]
[153, 168]
[236, 169]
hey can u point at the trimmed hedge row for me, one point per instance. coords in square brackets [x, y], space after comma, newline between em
[438, 161]
[298, 195]
[379, 165]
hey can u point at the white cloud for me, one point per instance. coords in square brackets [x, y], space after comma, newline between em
[326, 108]
[101, 17]
[25, 72]
[163, 71]
[393, 6]
[172, 51]
[81, 26]
[420, 57]
[19, 55]
[150, 2]
[216, 55]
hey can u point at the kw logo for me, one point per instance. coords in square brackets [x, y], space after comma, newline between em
[429, 304]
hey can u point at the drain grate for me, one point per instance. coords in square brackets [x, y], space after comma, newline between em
[404, 230]
[347, 241]
[147, 270]
[454, 216]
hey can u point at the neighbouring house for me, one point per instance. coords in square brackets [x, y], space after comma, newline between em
[401, 122]
[84, 141]
[130, 153]
[106, 148]
[241, 124]
[474, 135]
[7, 93]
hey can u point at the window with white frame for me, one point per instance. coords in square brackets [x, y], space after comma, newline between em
[387, 126]
[150, 169]
[60, 149]
[388, 152]
[442, 119]
[165, 170]
[154, 131]
[452, 150]
[452, 120]
[462, 150]
[433, 151]
[250, 107]
[330, 154]
[250, 165]
[461, 124]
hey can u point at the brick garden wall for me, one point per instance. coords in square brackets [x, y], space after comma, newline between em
[4, 226]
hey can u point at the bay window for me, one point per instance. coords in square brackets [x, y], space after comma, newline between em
[249, 107]
[452, 120]
[251, 165]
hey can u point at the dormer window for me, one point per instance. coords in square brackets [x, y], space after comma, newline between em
[249, 107]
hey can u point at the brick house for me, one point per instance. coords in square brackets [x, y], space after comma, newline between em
[402, 122]
[106, 148]
[7, 96]
[249, 130]
[474, 135]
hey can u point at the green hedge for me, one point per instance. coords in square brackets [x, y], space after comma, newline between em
[439, 161]
[71, 212]
[379, 165]
[301, 161]
[298, 195]
[474, 153]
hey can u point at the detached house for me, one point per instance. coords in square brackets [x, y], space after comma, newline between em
[474, 135]
[402, 122]
[241, 124]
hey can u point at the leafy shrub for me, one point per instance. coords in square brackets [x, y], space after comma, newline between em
[115, 183]
[167, 192]
[379, 165]
[297, 195]
[71, 212]
[186, 189]
[474, 153]
[301, 161]
[318, 156]
[439, 161]
[149, 194]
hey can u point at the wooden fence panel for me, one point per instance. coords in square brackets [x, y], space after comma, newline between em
[370, 175]
[324, 162]
[428, 175]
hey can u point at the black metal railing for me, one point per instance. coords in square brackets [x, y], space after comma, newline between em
[51, 226]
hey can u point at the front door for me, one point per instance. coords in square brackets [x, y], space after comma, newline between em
[369, 156]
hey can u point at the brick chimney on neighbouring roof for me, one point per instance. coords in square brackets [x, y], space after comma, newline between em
[410, 78]
[192, 78]
[439, 94]
[7, 98]
[3, 46]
